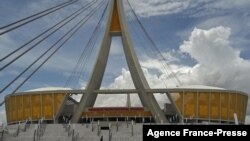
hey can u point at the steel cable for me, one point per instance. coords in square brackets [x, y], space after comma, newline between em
[154, 45]
[74, 29]
[43, 13]
[67, 19]
[22, 46]
[86, 52]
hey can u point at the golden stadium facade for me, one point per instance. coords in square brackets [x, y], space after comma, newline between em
[196, 104]
[211, 104]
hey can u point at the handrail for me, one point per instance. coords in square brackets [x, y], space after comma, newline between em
[39, 130]
[17, 131]
[2, 134]
[98, 128]
[34, 136]
[73, 134]
[71, 131]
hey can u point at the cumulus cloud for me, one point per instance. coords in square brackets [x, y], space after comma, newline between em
[218, 64]
[214, 43]
[124, 81]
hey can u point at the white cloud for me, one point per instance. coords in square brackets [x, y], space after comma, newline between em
[227, 4]
[147, 8]
[196, 8]
[123, 81]
[214, 43]
[218, 64]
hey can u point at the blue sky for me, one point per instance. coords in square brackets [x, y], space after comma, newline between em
[192, 34]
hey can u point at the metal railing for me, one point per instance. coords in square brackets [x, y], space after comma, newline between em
[71, 131]
[39, 130]
[2, 134]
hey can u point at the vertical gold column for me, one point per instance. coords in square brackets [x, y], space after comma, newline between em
[48, 106]
[41, 106]
[31, 113]
[203, 105]
[27, 107]
[36, 107]
[224, 106]
[16, 110]
[23, 108]
[215, 97]
[19, 100]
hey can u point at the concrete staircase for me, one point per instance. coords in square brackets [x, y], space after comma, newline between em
[55, 132]
[82, 132]
[12, 135]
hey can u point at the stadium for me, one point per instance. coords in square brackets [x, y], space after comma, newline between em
[192, 104]
[56, 115]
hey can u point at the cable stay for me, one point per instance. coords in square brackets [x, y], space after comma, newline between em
[41, 34]
[75, 28]
[24, 21]
[49, 31]
[88, 50]
[154, 45]
[62, 41]
[81, 61]
[139, 36]
[28, 67]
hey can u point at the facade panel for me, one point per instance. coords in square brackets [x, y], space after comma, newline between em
[19, 107]
[203, 105]
[232, 105]
[27, 107]
[224, 106]
[179, 101]
[245, 107]
[36, 107]
[8, 110]
[240, 108]
[47, 106]
[215, 106]
[13, 109]
[190, 104]
[58, 98]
